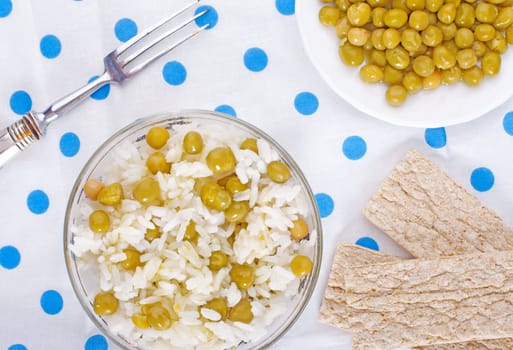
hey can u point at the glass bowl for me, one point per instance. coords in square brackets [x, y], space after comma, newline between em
[85, 279]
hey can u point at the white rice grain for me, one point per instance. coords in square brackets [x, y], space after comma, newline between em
[149, 300]
[210, 314]
[232, 294]
[115, 258]
[191, 169]
[280, 278]
[151, 267]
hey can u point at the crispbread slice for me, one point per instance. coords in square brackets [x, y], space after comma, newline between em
[498, 344]
[428, 302]
[429, 214]
[335, 311]
[334, 308]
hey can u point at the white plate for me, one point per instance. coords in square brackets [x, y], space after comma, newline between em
[447, 105]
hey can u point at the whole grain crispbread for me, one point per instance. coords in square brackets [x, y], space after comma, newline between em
[334, 308]
[431, 301]
[335, 311]
[429, 214]
[497, 344]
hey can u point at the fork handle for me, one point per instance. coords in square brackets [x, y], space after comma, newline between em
[68, 102]
[8, 148]
[17, 136]
[32, 126]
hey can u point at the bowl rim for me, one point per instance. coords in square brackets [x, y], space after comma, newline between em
[176, 117]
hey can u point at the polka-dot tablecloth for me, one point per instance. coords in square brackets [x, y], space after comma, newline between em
[250, 64]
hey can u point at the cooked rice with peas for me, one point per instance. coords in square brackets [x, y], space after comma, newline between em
[199, 237]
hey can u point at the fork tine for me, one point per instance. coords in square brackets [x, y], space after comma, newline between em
[166, 50]
[159, 39]
[125, 46]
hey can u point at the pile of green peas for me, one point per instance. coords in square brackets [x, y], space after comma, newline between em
[217, 193]
[412, 45]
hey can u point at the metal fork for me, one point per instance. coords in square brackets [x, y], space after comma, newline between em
[120, 64]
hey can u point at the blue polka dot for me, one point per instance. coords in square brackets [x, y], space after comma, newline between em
[125, 29]
[436, 137]
[20, 102]
[5, 8]
[174, 73]
[210, 18]
[69, 144]
[9, 257]
[51, 302]
[325, 204]
[102, 93]
[285, 7]
[368, 242]
[306, 103]
[50, 46]
[482, 179]
[255, 59]
[226, 109]
[38, 202]
[507, 123]
[96, 342]
[17, 347]
[354, 147]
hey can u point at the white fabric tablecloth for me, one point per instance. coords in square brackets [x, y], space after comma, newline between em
[251, 63]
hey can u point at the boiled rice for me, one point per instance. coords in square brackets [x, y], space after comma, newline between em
[265, 240]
